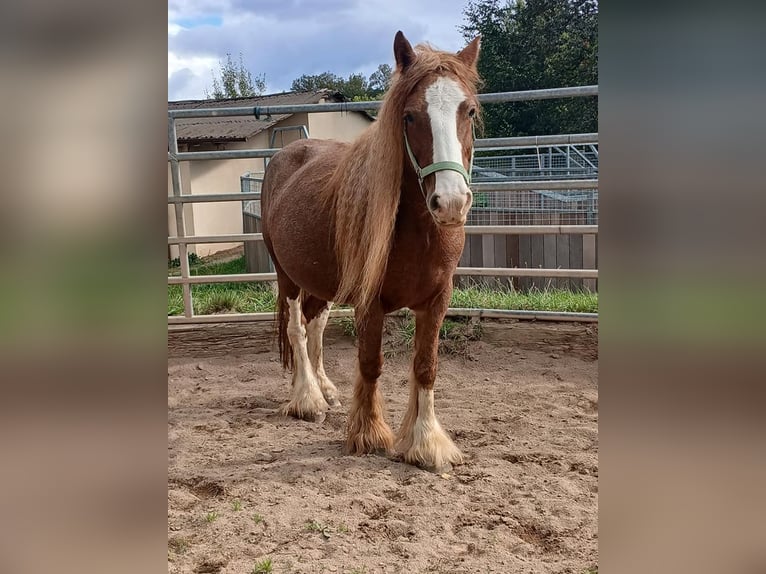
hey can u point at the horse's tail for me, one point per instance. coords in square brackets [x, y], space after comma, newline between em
[283, 320]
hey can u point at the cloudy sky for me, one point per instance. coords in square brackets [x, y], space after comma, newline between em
[285, 39]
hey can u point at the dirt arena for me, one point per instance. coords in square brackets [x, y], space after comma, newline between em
[247, 486]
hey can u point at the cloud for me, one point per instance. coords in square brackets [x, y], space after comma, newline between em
[188, 77]
[285, 39]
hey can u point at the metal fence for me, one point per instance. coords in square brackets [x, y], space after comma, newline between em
[566, 188]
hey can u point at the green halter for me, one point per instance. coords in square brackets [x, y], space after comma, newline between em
[422, 172]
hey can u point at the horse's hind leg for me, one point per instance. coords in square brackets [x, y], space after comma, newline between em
[317, 312]
[306, 400]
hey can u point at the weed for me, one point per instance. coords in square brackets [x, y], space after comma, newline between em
[258, 518]
[237, 505]
[179, 544]
[262, 567]
[348, 324]
[219, 302]
[211, 516]
[315, 526]
[193, 259]
[342, 528]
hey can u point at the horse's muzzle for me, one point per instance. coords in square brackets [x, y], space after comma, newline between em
[450, 209]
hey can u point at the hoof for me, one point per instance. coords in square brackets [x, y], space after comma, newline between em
[333, 401]
[441, 469]
[374, 439]
[294, 411]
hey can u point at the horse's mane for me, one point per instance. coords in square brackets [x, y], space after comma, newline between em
[366, 186]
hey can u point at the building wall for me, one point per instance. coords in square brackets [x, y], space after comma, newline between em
[188, 209]
[223, 176]
[342, 126]
[219, 177]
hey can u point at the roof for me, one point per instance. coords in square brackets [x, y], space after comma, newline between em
[240, 128]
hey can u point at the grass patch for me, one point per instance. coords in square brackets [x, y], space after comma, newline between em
[237, 505]
[314, 526]
[262, 297]
[179, 544]
[263, 567]
[258, 518]
[454, 335]
[211, 516]
[533, 300]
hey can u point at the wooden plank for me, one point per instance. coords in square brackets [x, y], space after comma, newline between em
[596, 287]
[589, 259]
[487, 251]
[536, 258]
[476, 257]
[501, 259]
[464, 262]
[498, 244]
[512, 256]
[575, 259]
[562, 259]
[525, 260]
[549, 256]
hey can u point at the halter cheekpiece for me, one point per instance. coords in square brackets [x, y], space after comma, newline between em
[423, 172]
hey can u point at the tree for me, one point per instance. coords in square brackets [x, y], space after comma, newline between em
[356, 87]
[236, 81]
[380, 79]
[534, 44]
[312, 83]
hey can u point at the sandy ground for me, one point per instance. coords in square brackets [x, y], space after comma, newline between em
[246, 485]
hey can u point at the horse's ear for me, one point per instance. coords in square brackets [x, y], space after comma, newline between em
[470, 54]
[403, 52]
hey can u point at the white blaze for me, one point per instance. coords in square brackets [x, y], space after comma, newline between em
[443, 98]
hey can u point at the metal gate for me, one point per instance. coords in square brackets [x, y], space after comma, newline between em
[561, 184]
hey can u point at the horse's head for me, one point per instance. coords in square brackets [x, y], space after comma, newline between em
[438, 119]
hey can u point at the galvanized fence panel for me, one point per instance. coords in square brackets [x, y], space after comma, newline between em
[564, 188]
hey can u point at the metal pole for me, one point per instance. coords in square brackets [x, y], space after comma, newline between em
[175, 175]
[451, 312]
[494, 98]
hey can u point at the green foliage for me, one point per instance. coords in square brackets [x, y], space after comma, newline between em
[314, 526]
[480, 199]
[348, 324]
[211, 516]
[535, 44]
[261, 297]
[179, 544]
[193, 259]
[263, 567]
[380, 80]
[356, 87]
[534, 299]
[236, 81]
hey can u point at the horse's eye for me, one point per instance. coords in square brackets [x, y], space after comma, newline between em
[408, 118]
[472, 112]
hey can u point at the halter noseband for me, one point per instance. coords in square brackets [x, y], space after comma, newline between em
[422, 172]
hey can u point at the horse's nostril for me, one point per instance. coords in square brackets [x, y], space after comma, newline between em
[434, 203]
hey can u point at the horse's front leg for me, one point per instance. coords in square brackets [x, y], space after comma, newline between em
[367, 430]
[421, 439]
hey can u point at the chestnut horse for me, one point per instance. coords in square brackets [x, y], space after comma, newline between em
[377, 224]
